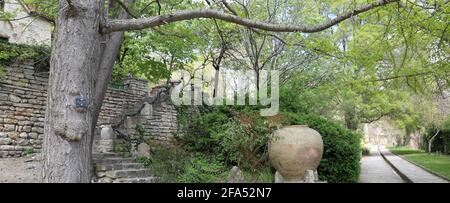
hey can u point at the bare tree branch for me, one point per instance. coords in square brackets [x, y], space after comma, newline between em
[126, 8]
[225, 3]
[138, 24]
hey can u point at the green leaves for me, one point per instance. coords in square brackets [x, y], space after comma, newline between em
[11, 53]
[156, 54]
[46, 8]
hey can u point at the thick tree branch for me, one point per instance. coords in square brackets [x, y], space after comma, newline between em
[138, 24]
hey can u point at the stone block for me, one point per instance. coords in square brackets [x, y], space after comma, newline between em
[13, 135]
[5, 141]
[8, 128]
[37, 129]
[27, 129]
[19, 92]
[107, 133]
[3, 97]
[33, 135]
[236, 175]
[23, 142]
[278, 177]
[23, 135]
[6, 148]
[14, 98]
[143, 150]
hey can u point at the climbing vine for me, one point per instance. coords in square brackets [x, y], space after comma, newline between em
[15, 53]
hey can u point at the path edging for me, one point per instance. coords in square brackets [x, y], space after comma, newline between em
[401, 174]
[427, 170]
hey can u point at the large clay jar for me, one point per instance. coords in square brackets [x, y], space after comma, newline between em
[294, 150]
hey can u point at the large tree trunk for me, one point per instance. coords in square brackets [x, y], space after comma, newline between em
[75, 57]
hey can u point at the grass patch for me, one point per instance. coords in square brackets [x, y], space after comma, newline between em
[438, 164]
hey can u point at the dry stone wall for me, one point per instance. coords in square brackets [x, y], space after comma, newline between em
[158, 118]
[22, 109]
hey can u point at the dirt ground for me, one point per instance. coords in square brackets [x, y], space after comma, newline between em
[20, 170]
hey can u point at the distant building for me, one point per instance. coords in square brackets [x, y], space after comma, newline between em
[383, 133]
[26, 27]
[443, 103]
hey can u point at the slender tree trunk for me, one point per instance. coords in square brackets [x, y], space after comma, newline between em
[430, 143]
[445, 144]
[110, 54]
[216, 82]
[257, 81]
[351, 121]
[69, 127]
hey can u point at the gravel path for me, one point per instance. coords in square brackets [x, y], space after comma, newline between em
[20, 170]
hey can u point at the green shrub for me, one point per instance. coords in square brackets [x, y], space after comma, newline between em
[365, 151]
[342, 151]
[203, 169]
[173, 164]
[263, 175]
[10, 53]
[238, 134]
[245, 147]
[200, 128]
[168, 162]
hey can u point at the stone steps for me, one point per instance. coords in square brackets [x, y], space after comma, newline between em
[136, 180]
[129, 173]
[121, 166]
[111, 168]
[114, 160]
[104, 155]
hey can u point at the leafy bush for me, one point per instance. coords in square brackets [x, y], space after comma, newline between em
[238, 136]
[200, 128]
[342, 151]
[173, 164]
[168, 162]
[365, 151]
[10, 53]
[243, 146]
[203, 169]
[263, 175]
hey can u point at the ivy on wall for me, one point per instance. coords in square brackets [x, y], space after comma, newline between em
[15, 53]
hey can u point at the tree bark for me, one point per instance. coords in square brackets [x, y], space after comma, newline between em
[216, 83]
[351, 121]
[106, 66]
[68, 127]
